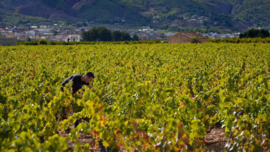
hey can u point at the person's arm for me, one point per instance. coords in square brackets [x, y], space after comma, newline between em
[89, 86]
[65, 82]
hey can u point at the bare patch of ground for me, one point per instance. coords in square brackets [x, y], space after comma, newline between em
[215, 141]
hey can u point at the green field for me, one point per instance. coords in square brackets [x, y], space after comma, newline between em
[182, 89]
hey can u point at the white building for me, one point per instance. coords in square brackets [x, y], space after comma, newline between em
[34, 27]
[42, 30]
[32, 32]
[73, 38]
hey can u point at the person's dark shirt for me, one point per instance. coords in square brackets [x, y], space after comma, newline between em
[77, 83]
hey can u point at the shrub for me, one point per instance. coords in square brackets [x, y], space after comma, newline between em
[240, 40]
[42, 42]
[45, 42]
[195, 40]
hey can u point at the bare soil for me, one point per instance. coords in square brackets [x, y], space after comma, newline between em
[215, 141]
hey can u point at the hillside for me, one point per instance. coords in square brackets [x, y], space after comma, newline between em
[237, 14]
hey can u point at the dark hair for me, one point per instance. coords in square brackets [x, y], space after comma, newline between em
[90, 74]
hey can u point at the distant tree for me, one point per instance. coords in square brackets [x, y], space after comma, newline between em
[42, 42]
[97, 34]
[104, 34]
[79, 24]
[28, 39]
[135, 37]
[91, 35]
[263, 33]
[84, 35]
[55, 32]
[117, 35]
[126, 36]
[195, 40]
[251, 33]
[241, 35]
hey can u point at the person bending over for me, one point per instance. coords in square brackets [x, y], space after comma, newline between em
[78, 82]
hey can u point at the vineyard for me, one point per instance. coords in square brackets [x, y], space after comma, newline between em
[145, 97]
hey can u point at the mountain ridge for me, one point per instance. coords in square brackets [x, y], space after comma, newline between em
[216, 13]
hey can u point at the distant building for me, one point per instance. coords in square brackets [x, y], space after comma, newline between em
[186, 37]
[162, 37]
[147, 30]
[73, 38]
[169, 34]
[221, 36]
[32, 32]
[34, 27]
[61, 37]
[144, 37]
[34, 37]
[8, 41]
[42, 30]
[43, 37]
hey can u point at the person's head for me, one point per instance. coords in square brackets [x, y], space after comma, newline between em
[88, 77]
